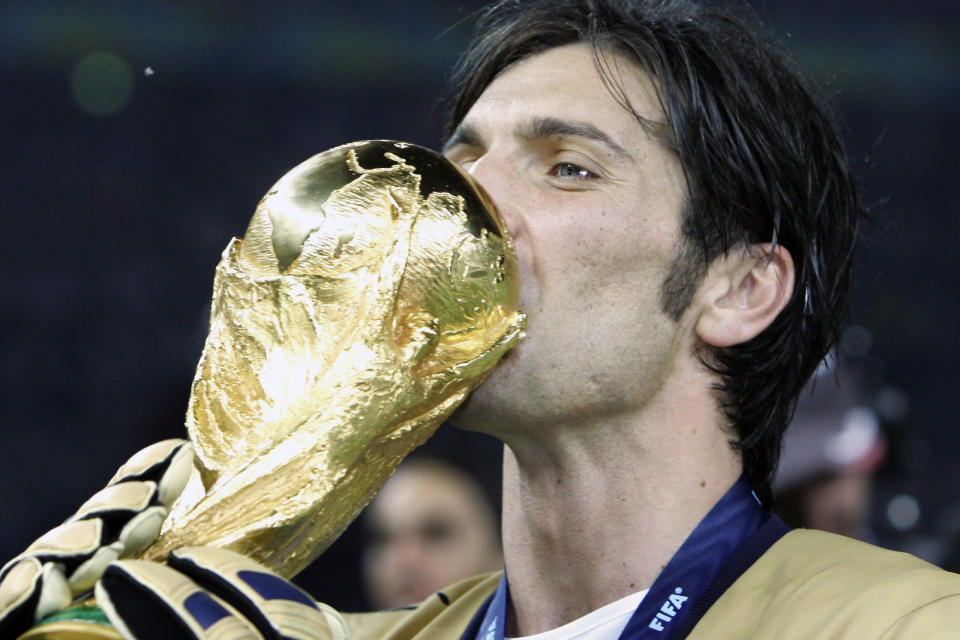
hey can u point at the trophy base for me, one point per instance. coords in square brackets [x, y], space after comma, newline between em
[84, 621]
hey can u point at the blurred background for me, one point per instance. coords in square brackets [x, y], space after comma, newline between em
[138, 137]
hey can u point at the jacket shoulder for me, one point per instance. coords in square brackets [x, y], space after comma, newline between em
[442, 616]
[812, 584]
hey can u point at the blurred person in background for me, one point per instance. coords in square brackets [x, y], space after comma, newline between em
[831, 450]
[431, 526]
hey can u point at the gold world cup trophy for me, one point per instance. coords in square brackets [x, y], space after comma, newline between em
[375, 287]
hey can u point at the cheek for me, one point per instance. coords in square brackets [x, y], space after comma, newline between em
[375, 572]
[453, 561]
[617, 261]
[587, 253]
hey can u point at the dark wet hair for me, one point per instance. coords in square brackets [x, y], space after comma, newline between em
[764, 163]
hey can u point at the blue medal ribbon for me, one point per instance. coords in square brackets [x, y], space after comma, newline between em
[495, 613]
[732, 535]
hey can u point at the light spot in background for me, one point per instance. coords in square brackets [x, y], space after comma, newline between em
[855, 439]
[101, 83]
[893, 404]
[903, 512]
[856, 341]
[148, 71]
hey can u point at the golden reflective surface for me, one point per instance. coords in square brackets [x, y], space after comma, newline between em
[373, 290]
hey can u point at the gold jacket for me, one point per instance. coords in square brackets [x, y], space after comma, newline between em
[809, 585]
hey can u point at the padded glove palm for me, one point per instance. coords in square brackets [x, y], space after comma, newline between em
[205, 593]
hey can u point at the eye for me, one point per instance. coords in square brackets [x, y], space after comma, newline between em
[437, 530]
[570, 171]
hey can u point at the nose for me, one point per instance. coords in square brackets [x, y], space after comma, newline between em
[407, 555]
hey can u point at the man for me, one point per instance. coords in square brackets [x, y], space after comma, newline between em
[831, 451]
[430, 526]
[684, 221]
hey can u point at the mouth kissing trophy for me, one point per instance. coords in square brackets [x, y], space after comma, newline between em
[375, 287]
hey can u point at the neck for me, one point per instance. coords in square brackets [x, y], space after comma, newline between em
[597, 513]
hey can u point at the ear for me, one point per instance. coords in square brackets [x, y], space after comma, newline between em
[744, 293]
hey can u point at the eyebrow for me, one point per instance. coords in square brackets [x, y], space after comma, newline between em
[540, 128]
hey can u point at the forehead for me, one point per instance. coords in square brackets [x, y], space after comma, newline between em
[567, 82]
[420, 490]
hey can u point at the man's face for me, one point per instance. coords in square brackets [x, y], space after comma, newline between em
[594, 203]
[429, 527]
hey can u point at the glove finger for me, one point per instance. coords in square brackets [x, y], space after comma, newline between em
[87, 573]
[132, 495]
[70, 544]
[79, 548]
[277, 607]
[122, 519]
[149, 601]
[130, 514]
[141, 531]
[29, 592]
[168, 463]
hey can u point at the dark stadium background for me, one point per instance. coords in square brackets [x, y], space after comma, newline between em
[113, 222]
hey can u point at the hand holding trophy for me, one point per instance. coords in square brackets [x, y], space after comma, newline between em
[375, 287]
[119, 521]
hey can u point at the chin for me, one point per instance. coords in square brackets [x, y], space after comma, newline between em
[470, 415]
[490, 406]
